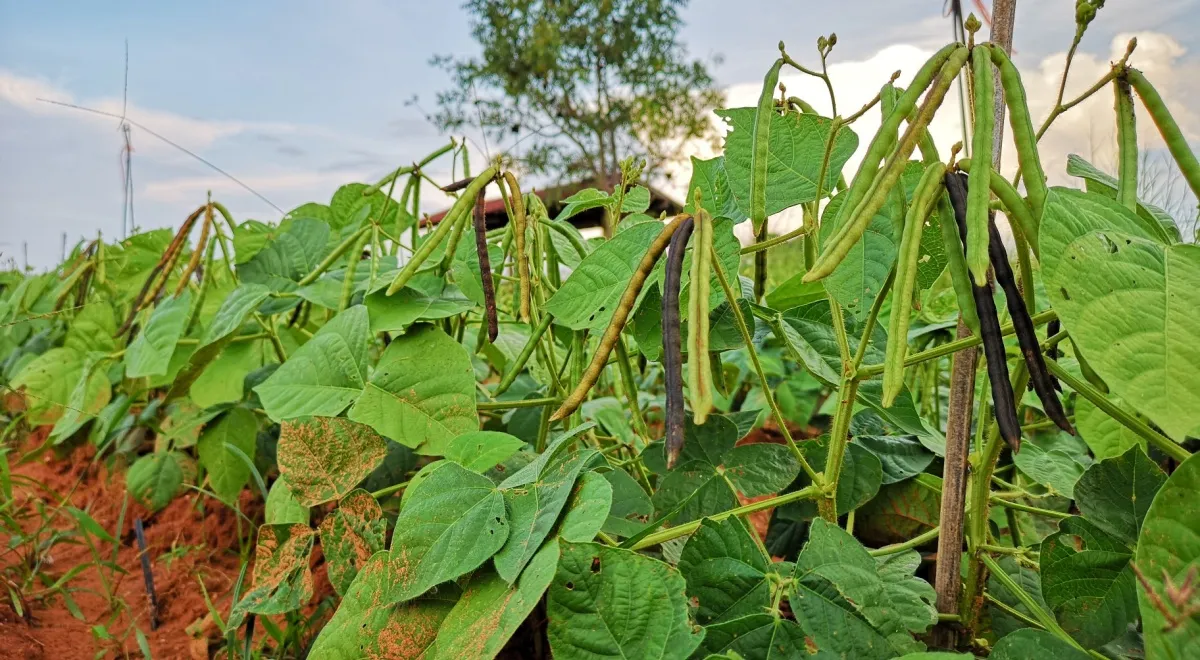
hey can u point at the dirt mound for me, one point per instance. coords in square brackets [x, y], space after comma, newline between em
[192, 541]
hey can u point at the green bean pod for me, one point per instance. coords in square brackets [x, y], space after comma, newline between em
[700, 377]
[885, 138]
[613, 332]
[519, 221]
[852, 230]
[1161, 116]
[924, 197]
[978, 186]
[457, 213]
[760, 137]
[1016, 209]
[1127, 149]
[1024, 137]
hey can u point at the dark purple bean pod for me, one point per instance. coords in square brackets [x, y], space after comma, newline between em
[485, 266]
[457, 185]
[1052, 329]
[1043, 383]
[673, 342]
[1004, 405]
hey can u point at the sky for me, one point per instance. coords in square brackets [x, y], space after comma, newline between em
[297, 98]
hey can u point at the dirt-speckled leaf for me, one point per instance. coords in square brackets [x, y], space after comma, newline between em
[726, 572]
[422, 392]
[1105, 260]
[350, 536]
[608, 602]
[1116, 493]
[1032, 644]
[227, 472]
[154, 479]
[795, 154]
[491, 610]
[151, 350]
[480, 451]
[589, 296]
[1105, 436]
[283, 581]
[452, 522]
[1087, 582]
[325, 374]
[755, 637]
[1170, 542]
[323, 458]
[858, 279]
[367, 625]
[533, 509]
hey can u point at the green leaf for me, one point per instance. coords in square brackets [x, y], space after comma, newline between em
[422, 392]
[480, 451]
[1028, 644]
[323, 458]
[861, 275]
[1105, 436]
[452, 522]
[409, 305]
[608, 602]
[1100, 182]
[726, 572]
[1170, 544]
[292, 254]
[1055, 469]
[901, 456]
[586, 199]
[1116, 493]
[92, 330]
[283, 581]
[631, 506]
[154, 479]
[49, 381]
[836, 630]
[795, 292]
[1087, 582]
[911, 598]
[755, 637]
[465, 271]
[589, 296]
[223, 379]
[346, 207]
[325, 374]
[1104, 259]
[367, 625]
[795, 153]
[249, 238]
[533, 509]
[234, 311]
[713, 181]
[711, 471]
[282, 507]
[901, 511]
[151, 350]
[491, 610]
[586, 511]
[350, 536]
[228, 473]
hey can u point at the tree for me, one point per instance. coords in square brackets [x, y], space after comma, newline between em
[580, 85]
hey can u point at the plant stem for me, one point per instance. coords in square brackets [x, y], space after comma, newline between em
[1087, 391]
[687, 528]
[1044, 618]
[916, 541]
[523, 403]
[631, 391]
[748, 337]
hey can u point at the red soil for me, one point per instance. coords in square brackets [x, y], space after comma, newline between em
[200, 534]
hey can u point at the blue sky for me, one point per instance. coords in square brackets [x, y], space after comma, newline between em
[299, 97]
